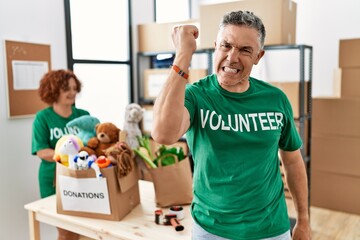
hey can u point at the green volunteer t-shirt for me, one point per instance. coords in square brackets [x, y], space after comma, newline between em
[48, 127]
[234, 139]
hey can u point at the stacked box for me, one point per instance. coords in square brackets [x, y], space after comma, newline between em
[335, 163]
[349, 53]
[280, 21]
[156, 37]
[349, 64]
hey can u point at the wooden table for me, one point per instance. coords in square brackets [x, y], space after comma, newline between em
[139, 224]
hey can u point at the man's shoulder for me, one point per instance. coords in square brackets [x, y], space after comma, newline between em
[266, 86]
[204, 82]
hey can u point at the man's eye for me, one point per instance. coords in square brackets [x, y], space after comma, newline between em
[246, 51]
[226, 45]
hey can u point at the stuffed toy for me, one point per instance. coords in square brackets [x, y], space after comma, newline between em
[84, 127]
[122, 156]
[133, 115]
[107, 134]
[66, 148]
[83, 161]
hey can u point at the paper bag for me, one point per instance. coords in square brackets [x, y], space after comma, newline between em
[173, 183]
[80, 193]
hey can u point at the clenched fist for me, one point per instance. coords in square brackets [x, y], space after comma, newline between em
[183, 38]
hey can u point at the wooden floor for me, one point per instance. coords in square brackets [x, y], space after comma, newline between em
[331, 225]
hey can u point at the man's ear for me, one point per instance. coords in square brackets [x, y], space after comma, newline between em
[259, 56]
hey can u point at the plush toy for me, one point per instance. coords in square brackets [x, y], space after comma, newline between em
[133, 115]
[83, 161]
[66, 148]
[122, 156]
[107, 134]
[84, 127]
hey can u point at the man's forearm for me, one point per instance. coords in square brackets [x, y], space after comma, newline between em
[168, 110]
[296, 178]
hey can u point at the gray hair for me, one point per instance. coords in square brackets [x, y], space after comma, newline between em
[245, 18]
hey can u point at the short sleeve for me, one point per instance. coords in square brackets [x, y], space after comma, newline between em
[40, 134]
[290, 139]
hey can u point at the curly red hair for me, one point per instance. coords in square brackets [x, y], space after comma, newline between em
[53, 81]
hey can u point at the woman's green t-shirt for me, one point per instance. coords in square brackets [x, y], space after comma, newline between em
[48, 127]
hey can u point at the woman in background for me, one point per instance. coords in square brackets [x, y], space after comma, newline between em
[58, 89]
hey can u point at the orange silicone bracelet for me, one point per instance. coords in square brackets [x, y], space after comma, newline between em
[180, 72]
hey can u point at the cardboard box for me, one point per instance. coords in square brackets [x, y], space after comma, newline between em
[292, 91]
[350, 82]
[278, 16]
[154, 79]
[333, 191]
[80, 193]
[336, 116]
[336, 154]
[156, 37]
[349, 56]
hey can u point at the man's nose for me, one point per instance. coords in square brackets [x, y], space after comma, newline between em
[233, 54]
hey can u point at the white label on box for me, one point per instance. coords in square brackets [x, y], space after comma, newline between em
[84, 194]
[156, 82]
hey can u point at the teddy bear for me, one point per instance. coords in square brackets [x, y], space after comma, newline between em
[133, 115]
[107, 134]
[84, 127]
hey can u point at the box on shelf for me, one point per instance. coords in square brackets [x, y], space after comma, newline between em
[292, 91]
[333, 191]
[156, 37]
[349, 53]
[350, 82]
[278, 16]
[80, 193]
[154, 79]
[336, 154]
[336, 116]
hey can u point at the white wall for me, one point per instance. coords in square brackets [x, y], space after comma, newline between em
[38, 21]
[320, 24]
